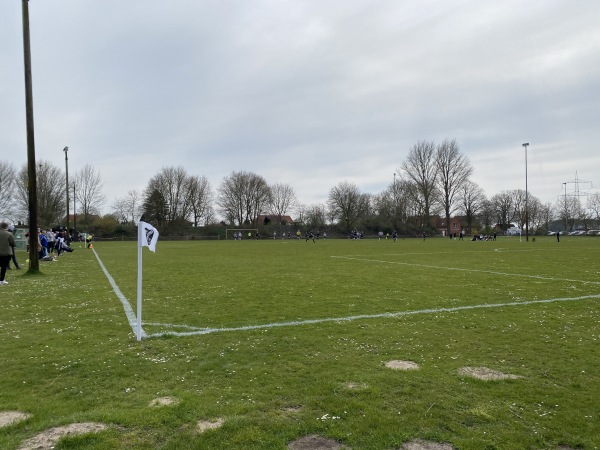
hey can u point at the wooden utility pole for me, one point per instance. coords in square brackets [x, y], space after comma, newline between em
[34, 262]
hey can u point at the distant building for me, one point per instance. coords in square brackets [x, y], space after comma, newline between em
[272, 219]
[456, 224]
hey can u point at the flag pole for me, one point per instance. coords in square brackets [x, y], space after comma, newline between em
[139, 285]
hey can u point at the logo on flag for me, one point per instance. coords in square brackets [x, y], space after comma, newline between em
[148, 235]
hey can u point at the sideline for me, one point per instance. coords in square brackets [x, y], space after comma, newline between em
[200, 331]
[460, 269]
[126, 306]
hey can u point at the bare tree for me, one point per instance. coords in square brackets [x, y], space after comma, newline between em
[119, 210]
[570, 211]
[487, 215]
[593, 204]
[133, 201]
[316, 215]
[348, 204]
[536, 219]
[88, 188]
[300, 211]
[7, 189]
[242, 197]
[171, 184]
[504, 208]
[544, 215]
[199, 197]
[282, 200]
[518, 206]
[127, 209]
[51, 195]
[420, 169]
[453, 170]
[472, 201]
[395, 203]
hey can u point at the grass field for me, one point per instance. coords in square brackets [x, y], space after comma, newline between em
[283, 339]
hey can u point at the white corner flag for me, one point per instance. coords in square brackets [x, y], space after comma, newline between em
[147, 237]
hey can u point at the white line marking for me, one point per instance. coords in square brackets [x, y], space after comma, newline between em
[126, 306]
[459, 269]
[201, 331]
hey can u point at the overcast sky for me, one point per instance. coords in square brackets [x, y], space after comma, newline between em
[307, 92]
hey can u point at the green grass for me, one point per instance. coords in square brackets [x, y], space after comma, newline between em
[68, 353]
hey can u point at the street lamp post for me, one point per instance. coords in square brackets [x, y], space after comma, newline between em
[526, 144]
[566, 211]
[395, 207]
[74, 213]
[66, 150]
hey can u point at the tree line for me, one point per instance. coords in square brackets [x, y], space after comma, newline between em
[433, 180]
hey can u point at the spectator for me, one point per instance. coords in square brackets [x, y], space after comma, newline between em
[7, 245]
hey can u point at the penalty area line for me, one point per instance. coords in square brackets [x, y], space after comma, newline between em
[126, 306]
[461, 269]
[201, 331]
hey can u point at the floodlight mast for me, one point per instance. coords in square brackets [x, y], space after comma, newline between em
[525, 145]
[566, 211]
[34, 264]
[66, 150]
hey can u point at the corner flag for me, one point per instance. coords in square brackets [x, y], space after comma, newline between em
[147, 236]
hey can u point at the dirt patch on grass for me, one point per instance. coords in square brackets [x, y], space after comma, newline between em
[419, 444]
[163, 401]
[292, 409]
[355, 386]
[484, 373]
[315, 442]
[402, 365]
[9, 417]
[204, 425]
[48, 439]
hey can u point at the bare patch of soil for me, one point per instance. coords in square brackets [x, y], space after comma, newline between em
[315, 442]
[292, 409]
[484, 373]
[419, 444]
[204, 425]
[163, 401]
[48, 439]
[9, 417]
[402, 365]
[355, 386]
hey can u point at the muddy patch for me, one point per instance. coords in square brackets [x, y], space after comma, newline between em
[8, 418]
[419, 444]
[47, 440]
[163, 401]
[292, 409]
[315, 442]
[402, 365]
[356, 386]
[204, 425]
[484, 373]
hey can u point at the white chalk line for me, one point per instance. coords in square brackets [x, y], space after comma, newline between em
[202, 331]
[460, 269]
[126, 306]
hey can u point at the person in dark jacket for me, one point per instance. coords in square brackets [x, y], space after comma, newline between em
[7, 244]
